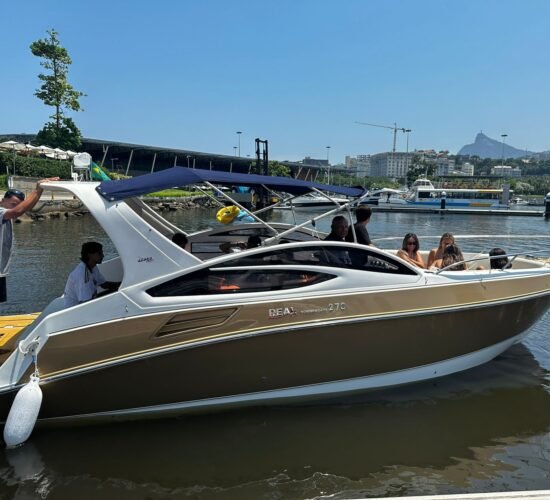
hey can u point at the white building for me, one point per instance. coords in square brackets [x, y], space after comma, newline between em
[467, 169]
[394, 165]
[506, 171]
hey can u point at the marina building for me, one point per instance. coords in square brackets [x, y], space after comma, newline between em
[506, 171]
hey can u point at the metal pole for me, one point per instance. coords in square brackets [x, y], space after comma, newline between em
[105, 150]
[503, 139]
[154, 161]
[239, 137]
[129, 161]
[328, 164]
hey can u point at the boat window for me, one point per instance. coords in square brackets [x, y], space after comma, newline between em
[332, 256]
[224, 281]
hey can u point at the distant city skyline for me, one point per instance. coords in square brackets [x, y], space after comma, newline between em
[212, 76]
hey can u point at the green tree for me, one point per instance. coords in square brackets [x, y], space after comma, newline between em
[57, 92]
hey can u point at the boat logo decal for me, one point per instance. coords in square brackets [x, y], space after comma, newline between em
[279, 312]
[145, 259]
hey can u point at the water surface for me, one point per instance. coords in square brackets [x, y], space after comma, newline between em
[482, 430]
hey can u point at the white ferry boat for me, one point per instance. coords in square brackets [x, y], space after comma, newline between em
[424, 194]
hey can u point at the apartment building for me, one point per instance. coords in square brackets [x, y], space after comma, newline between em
[393, 165]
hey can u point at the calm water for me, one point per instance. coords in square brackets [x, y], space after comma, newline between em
[483, 430]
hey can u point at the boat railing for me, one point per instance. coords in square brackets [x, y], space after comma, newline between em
[490, 257]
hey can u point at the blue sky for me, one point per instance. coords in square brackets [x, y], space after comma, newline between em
[189, 74]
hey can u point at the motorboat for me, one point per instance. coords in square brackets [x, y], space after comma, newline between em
[297, 318]
[519, 201]
[312, 200]
[385, 196]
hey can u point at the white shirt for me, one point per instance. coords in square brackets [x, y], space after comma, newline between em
[82, 284]
[6, 239]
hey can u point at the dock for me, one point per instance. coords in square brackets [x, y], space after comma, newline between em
[509, 495]
[502, 212]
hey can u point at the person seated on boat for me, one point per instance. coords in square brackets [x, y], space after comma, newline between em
[338, 229]
[232, 246]
[254, 241]
[502, 261]
[363, 215]
[451, 255]
[410, 251]
[85, 278]
[338, 232]
[180, 239]
[437, 253]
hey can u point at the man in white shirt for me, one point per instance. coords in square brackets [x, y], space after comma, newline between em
[13, 205]
[85, 278]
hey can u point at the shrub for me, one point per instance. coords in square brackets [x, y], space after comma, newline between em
[29, 166]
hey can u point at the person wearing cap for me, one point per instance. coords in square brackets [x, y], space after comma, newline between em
[13, 205]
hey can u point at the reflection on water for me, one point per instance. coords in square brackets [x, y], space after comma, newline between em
[482, 430]
[459, 433]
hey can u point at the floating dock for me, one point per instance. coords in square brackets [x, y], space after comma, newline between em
[509, 495]
[12, 325]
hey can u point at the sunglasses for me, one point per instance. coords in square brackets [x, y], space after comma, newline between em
[16, 193]
[411, 243]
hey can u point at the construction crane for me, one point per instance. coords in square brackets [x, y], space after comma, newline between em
[395, 128]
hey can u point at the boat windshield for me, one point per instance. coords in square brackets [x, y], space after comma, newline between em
[263, 271]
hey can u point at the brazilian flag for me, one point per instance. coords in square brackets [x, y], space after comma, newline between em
[98, 174]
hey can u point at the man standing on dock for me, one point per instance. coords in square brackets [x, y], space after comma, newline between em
[13, 205]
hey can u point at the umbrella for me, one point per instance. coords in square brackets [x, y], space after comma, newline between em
[29, 148]
[60, 154]
[13, 145]
[44, 150]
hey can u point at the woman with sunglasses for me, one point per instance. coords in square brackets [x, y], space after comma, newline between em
[410, 251]
[13, 205]
[437, 253]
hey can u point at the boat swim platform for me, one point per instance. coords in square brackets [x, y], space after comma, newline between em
[12, 325]
[502, 212]
[508, 495]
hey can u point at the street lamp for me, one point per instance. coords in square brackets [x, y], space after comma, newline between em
[328, 164]
[234, 150]
[239, 139]
[503, 139]
[113, 163]
[407, 130]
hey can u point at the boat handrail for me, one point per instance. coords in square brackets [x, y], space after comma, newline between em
[490, 257]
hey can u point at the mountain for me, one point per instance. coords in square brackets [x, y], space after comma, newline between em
[485, 147]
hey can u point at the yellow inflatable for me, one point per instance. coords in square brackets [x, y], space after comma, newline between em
[227, 214]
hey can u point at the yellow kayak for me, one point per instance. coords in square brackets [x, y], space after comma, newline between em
[12, 325]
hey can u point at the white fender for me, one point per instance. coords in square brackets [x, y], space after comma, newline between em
[23, 413]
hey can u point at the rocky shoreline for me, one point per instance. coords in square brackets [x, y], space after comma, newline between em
[57, 209]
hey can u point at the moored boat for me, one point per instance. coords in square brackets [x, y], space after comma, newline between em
[199, 330]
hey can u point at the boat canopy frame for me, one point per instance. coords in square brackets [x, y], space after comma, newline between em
[182, 176]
